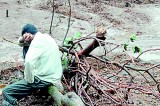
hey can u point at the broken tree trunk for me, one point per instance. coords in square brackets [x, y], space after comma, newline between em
[101, 31]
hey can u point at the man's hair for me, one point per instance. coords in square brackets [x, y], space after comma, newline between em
[29, 28]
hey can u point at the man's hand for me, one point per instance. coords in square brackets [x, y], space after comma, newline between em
[28, 37]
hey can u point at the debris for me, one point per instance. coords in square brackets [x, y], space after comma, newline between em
[1, 87]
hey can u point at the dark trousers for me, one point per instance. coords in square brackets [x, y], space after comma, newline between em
[16, 91]
[25, 49]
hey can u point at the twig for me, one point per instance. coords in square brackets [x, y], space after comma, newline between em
[143, 77]
[146, 51]
[136, 69]
[69, 19]
[76, 82]
[50, 31]
[87, 97]
[57, 23]
[113, 49]
[69, 88]
[151, 76]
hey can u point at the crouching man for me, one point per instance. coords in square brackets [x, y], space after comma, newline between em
[42, 66]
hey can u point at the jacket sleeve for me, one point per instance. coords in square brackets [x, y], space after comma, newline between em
[33, 54]
[22, 43]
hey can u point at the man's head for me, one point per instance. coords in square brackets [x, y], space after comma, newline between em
[28, 32]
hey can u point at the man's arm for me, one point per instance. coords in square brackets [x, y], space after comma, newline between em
[22, 43]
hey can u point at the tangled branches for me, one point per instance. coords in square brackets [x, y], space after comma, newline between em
[110, 78]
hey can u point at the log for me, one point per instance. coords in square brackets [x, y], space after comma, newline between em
[72, 99]
[69, 99]
[56, 95]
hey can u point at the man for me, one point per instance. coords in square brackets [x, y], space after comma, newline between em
[42, 66]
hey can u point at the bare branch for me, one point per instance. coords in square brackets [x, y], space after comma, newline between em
[69, 19]
[50, 31]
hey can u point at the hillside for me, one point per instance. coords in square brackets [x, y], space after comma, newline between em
[122, 18]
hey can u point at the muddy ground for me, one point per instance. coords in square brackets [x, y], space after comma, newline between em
[135, 97]
[121, 22]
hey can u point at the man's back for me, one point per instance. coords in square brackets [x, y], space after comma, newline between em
[43, 59]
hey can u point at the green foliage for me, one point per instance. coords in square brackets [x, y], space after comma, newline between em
[126, 46]
[77, 35]
[135, 49]
[65, 61]
[133, 37]
[68, 42]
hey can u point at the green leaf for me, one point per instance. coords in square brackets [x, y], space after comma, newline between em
[140, 50]
[133, 37]
[125, 46]
[65, 61]
[67, 40]
[136, 49]
[77, 35]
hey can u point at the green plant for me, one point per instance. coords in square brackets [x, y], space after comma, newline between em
[68, 42]
[135, 48]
